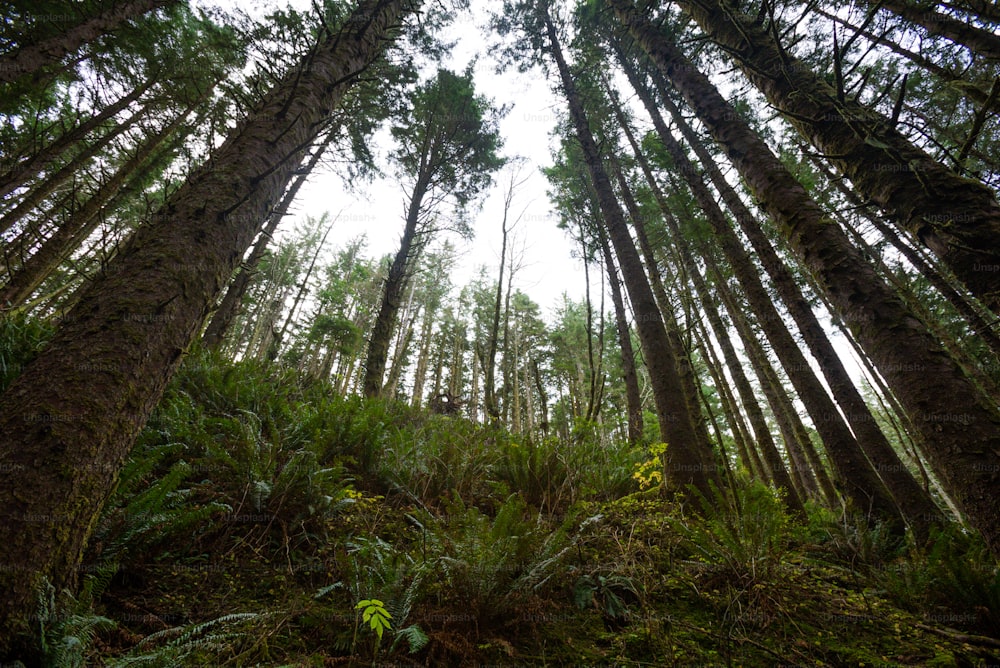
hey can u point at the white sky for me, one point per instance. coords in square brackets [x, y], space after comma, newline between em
[547, 268]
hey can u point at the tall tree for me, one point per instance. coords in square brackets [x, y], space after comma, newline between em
[689, 462]
[66, 431]
[961, 431]
[956, 217]
[448, 147]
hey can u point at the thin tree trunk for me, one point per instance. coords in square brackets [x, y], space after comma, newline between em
[300, 295]
[741, 432]
[419, 377]
[67, 431]
[633, 400]
[395, 285]
[979, 41]
[961, 433]
[489, 364]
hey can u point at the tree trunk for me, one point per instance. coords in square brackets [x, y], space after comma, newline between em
[687, 464]
[741, 432]
[961, 433]
[32, 57]
[979, 41]
[419, 377]
[957, 218]
[71, 417]
[392, 294]
[633, 400]
[222, 319]
[916, 505]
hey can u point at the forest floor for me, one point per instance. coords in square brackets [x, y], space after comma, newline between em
[263, 521]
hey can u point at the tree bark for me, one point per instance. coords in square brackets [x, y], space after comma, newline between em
[633, 400]
[957, 218]
[71, 417]
[392, 294]
[961, 432]
[687, 464]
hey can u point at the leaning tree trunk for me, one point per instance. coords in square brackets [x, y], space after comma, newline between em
[957, 218]
[961, 432]
[222, 319]
[68, 427]
[392, 294]
[32, 57]
[687, 464]
[36, 196]
[913, 502]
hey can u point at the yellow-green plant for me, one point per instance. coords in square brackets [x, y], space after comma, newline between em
[374, 614]
[650, 472]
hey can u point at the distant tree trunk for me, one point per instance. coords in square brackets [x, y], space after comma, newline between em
[961, 432]
[420, 375]
[489, 364]
[957, 218]
[633, 399]
[398, 363]
[741, 432]
[543, 398]
[687, 463]
[71, 417]
[392, 293]
[32, 57]
[279, 337]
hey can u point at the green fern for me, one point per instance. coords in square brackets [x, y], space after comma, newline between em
[67, 625]
[204, 643]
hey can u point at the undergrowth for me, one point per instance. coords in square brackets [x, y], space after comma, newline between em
[260, 518]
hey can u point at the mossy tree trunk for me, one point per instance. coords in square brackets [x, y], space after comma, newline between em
[70, 419]
[955, 217]
[960, 430]
[687, 464]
